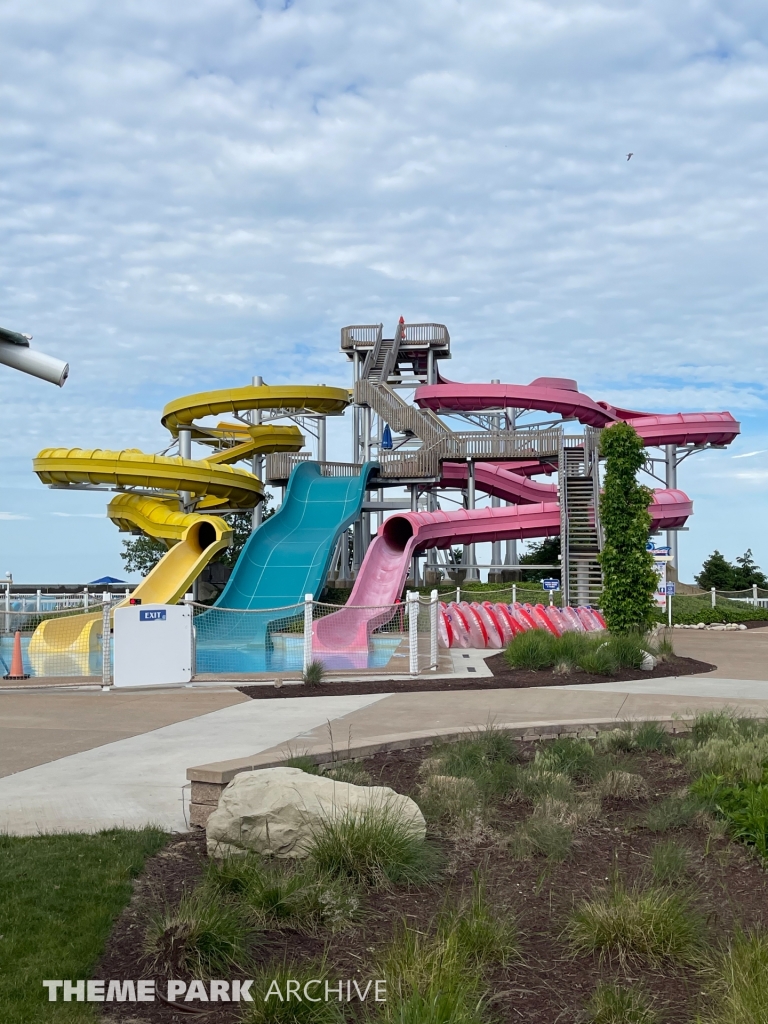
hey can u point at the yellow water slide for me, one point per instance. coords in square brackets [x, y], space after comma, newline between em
[152, 487]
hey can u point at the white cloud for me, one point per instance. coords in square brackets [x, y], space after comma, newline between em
[195, 194]
[7, 516]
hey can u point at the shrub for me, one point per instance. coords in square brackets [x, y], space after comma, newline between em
[671, 813]
[629, 580]
[669, 862]
[483, 937]
[617, 741]
[739, 992]
[567, 756]
[627, 649]
[376, 847]
[598, 661]
[650, 736]
[622, 786]
[612, 1004]
[487, 757]
[304, 762]
[313, 673]
[652, 925]
[282, 893]
[533, 650]
[744, 806]
[536, 783]
[448, 798]
[202, 936]
[543, 837]
[736, 759]
[350, 772]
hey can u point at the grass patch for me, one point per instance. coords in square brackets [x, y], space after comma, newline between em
[350, 772]
[449, 799]
[61, 895]
[304, 762]
[739, 991]
[620, 785]
[541, 837]
[567, 756]
[283, 894]
[601, 654]
[614, 1004]
[375, 848]
[313, 674]
[488, 757]
[671, 813]
[651, 925]
[742, 805]
[202, 935]
[437, 978]
[670, 862]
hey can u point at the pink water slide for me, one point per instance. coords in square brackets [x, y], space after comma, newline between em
[534, 514]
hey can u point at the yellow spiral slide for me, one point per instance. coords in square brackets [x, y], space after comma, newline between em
[150, 486]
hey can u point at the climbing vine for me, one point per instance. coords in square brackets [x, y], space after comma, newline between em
[629, 580]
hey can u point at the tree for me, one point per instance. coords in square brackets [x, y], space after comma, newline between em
[716, 571]
[629, 579]
[747, 573]
[546, 552]
[141, 554]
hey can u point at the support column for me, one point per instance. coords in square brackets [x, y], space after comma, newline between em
[494, 574]
[355, 410]
[671, 460]
[257, 463]
[415, 560]
[185, 452]
[321, 439]
[431, 375]
[510, 552]
[472, 572]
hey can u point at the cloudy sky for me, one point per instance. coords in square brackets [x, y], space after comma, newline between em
[194, 193]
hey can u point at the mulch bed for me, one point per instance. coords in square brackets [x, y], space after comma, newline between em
[503, 678]
[546, 984]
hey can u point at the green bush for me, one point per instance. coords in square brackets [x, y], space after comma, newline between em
[270, 1008]
[671, 813]
[739, 991]
[568, 756]
[651, 925]
[375, 847]
[612, 1004]
[533, 650]
[313, 673]
[670, 862]
[279, 893]
[689, 610]
[487, 756]
[203, 936]
[743, 805]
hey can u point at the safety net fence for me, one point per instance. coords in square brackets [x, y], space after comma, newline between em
[388, 638]
[63, 645]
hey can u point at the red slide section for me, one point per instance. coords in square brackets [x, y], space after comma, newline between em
[385, 567]
[499, 481]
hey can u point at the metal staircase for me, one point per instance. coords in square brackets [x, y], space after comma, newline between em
[580, 534]
[381, 361]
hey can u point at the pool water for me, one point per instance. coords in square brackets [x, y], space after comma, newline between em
[286, 654]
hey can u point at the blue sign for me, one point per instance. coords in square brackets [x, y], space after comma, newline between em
[671, 589]
[152, 615]
[551, 584]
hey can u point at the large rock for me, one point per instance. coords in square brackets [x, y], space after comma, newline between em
[276, 811]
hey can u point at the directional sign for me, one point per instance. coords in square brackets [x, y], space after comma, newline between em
[551, 584]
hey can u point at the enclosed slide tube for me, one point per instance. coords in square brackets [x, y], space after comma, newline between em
[385, 566]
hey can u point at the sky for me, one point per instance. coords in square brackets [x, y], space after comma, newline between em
[195, 193]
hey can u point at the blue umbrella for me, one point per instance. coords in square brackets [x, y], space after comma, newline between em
[386, 438]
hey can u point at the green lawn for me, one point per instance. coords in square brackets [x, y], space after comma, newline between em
[59, 895]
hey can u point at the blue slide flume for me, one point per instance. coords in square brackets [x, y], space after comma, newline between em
[287, 557]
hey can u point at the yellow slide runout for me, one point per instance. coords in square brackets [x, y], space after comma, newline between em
[198, 538]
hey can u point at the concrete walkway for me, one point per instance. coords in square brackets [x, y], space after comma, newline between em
[138, 781]
[88, 760]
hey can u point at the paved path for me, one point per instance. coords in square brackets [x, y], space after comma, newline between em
[738, 654]
[139, 780]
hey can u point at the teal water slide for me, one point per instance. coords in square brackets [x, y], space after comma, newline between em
[287, 557]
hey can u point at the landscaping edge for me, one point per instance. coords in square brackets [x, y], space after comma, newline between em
[208, 781]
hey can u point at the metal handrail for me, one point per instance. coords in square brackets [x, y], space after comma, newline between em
[280, 465]
[360, 334]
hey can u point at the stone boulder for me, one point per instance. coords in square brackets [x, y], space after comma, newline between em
[277, 811]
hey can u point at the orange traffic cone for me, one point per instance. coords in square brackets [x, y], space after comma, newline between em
[17, 665]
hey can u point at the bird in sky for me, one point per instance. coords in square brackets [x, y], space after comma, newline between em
[630, 155]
